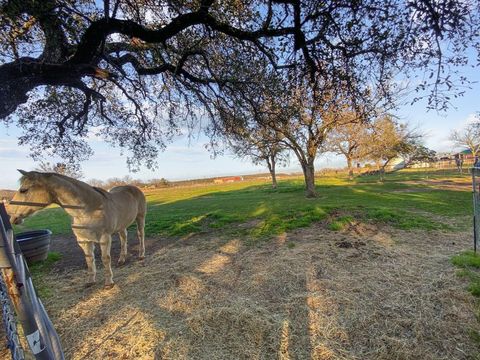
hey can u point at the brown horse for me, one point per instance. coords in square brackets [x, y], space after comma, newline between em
[96, 214]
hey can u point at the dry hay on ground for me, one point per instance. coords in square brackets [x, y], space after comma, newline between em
[391, 295]
[459, 184]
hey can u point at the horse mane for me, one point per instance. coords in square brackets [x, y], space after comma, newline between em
[80, 188]
[103, 192]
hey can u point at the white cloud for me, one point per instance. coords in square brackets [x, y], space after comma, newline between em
[437, 138]
[471, 118]
[93, 134]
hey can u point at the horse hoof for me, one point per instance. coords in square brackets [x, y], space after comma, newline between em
[108, 286]
[141, 258]
[120, 262]
[89, 284]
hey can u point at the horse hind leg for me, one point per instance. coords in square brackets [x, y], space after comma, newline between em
[105, 246]
[141, 236]
[123, 246]
[88, 248]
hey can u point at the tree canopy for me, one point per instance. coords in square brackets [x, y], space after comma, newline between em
[134, 72]
[350, 139]
[260, 143]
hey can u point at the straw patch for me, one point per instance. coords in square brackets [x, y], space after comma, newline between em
[184, 297]
[395, 295]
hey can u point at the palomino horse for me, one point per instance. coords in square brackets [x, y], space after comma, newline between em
[96, 214]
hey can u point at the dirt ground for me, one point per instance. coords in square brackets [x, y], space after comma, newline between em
[462, 184]
[365, 293]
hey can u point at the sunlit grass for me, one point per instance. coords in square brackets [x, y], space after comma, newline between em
[340, 223]
[39, 269]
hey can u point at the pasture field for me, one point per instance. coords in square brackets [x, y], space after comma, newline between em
[407, 200]
[242, 271]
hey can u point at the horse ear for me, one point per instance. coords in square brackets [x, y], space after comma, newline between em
[23, 172]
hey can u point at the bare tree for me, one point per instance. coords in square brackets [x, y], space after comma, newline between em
[468, 137]
[264, 146]
[96, 183]
[260, 143]
[415, 152]
[61, 168]
[159, 183]
[134, 70]
[116, 181]
[389, 140]
[350, 140]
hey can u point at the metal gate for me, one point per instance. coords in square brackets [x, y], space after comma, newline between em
[40, 334]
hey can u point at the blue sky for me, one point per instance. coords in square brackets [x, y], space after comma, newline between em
[188, 159]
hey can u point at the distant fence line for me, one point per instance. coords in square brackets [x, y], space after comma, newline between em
[450, 164]
[443, 165]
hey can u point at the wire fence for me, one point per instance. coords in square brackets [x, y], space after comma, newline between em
[467, 164]
[17, 292]
[10, 324]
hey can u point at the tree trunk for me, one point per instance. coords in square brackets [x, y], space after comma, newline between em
[350, 168]
[382, 174]
[383, 169]
[309, 174]
[271, 168]
[306, 160]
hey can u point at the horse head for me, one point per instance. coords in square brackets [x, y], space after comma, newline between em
[33, 189]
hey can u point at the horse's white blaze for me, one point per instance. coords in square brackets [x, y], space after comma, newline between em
[103, 213]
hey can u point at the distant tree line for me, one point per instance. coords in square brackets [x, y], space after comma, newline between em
[128, 180]
[74, 172]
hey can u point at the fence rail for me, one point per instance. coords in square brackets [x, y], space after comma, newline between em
[16, 281]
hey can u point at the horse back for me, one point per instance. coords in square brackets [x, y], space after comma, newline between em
[123, 192]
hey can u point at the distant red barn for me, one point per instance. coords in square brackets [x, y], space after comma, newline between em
[229, 179]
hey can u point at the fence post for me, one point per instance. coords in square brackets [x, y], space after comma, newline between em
[476, 208]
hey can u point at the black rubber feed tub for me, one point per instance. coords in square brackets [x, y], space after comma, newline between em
[34, 244]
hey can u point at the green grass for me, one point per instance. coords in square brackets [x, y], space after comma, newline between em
[39, 269]
[469, 264]
[467, 259]
[405, 220]
[475, 336]
[340, 223]
[178, 211]
[285, 219]
[53, 218]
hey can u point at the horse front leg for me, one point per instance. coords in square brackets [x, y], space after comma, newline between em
[88, 248]
[105, 246]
